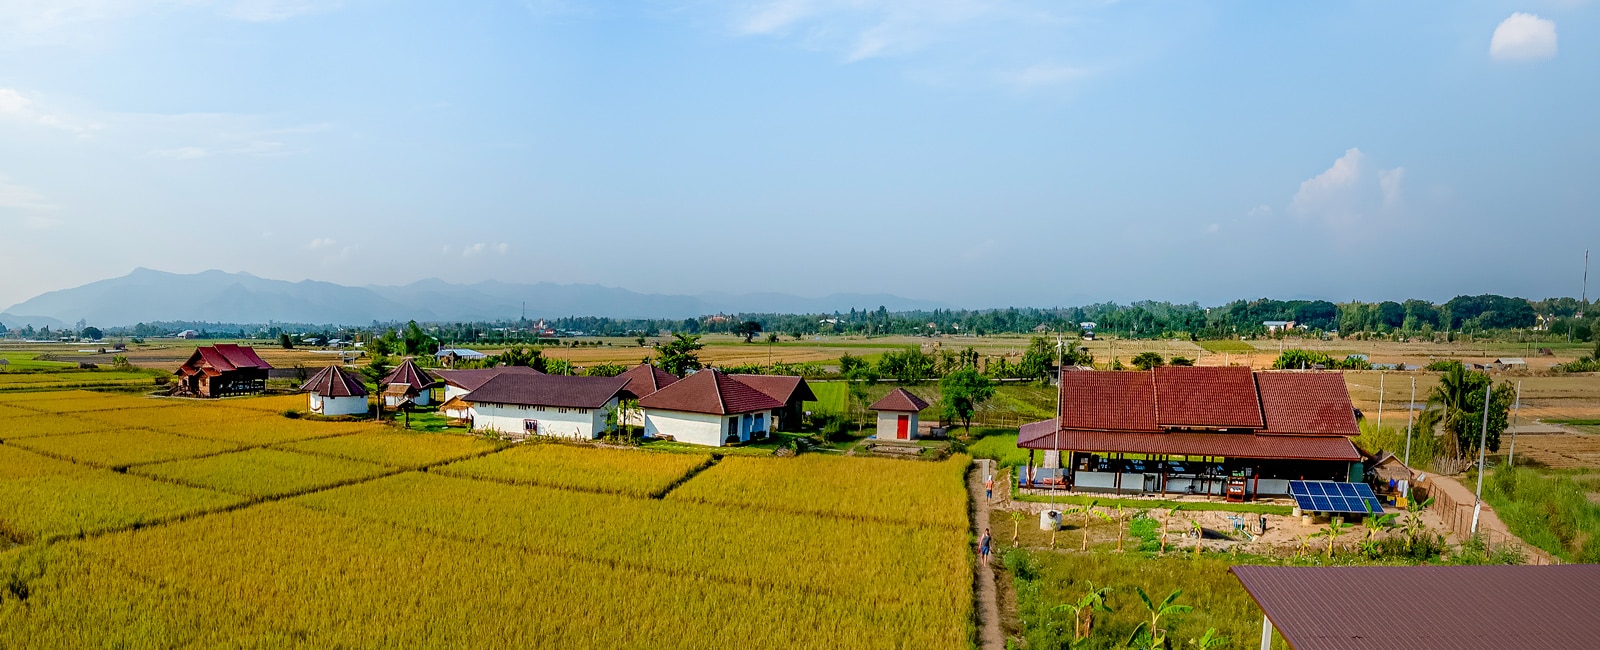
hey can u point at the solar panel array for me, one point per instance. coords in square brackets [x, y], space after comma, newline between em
[1334, 496]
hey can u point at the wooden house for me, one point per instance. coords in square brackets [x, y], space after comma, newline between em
[222, 370]
[335, 391]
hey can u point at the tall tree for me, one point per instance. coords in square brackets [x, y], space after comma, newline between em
[1147, 360]
[680, 355]
[1456, 405]
[961, 393]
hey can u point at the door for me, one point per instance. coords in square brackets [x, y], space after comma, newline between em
[902, 427]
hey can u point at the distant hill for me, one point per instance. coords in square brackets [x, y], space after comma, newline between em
[215, 296]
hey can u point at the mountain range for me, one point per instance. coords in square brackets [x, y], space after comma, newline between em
[147, 295]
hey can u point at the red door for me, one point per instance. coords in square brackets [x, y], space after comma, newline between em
[903, 427]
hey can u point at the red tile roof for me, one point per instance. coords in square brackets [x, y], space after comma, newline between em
[549, 390]
[470, 380]
[242, 356]
[1119, 401]
[1220, 397]
[216, 359]
[709, 391]
[645, 379]
[784, 388]
[1306, 402]
[1465, 607]
[1230, 445]
[410, 374]
[899, 400]
[334, 381]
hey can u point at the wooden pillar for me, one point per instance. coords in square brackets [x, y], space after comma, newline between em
[1117, 474]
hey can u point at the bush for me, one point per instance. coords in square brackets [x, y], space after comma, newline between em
[293, 414]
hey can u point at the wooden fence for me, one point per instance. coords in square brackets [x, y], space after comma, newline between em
[1452, 502]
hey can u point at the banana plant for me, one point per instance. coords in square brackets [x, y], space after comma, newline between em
[1199, 536]
[1370, 528]
[1210, 640]
[1016, 529]
[1083, 610]
[1087, 511]
[1150, 634]
[1166, 521]
[1413, 524]
[1335, 528]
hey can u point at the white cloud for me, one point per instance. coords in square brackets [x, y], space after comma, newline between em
[16, 106]
[180, 153]
[1262, 210]
[1349, 193]
[321, 242]
[1043, 74]
[472, 250]
[31, 206]
[502, 248]
[34, 22]
[1523, 37]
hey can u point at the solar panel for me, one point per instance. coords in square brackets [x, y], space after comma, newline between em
[1335, 497]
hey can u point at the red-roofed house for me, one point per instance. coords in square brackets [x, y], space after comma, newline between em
[708, 408]
[519, 405]
[335, 391]
[897, 415]
[793, 391]
[1196, 430]
[408, 381]
[221, 370]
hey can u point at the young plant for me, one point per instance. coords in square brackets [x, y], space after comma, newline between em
[1165, 522]
[1210, 640]
[1150, 634]
[1371, 526]
[1335, 528]
[1414, 527]
[1016, 529]
[1087, 511]
[1083, 610]
[1199, 536]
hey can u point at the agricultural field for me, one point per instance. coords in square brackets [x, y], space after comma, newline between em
[338, 537]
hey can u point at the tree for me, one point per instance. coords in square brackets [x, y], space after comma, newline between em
[960, 394]
[91, 333]
[748, 329]
[680, 355]
[1297, 359]
[909, 366]
[1148, 360]
[285, 341]
[1181, 361]
[1456, 406]
[524, 356]
[1036, 360]
[849, 362]
[416, 341]
[1150, 634]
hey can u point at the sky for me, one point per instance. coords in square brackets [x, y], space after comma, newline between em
[982, 153]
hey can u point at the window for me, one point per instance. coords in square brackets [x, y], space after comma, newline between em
[530, 426]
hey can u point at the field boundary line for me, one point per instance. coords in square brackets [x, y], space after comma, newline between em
[693, 472]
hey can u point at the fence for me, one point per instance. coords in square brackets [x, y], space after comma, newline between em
[1452, 502]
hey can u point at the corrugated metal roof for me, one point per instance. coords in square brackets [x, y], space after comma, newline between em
[899, 400]
[549, 390]
[1230, 445]
[709, 391]
[1221, 397]
[1429, 607]
[784, 388]
[1306, 402]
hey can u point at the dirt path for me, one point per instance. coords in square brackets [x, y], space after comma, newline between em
[1453, 504]
[984, 589]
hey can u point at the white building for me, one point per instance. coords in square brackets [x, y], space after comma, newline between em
[897, 415]
[521, 405]
[333, 391]
[708, 408]
[408, 382]
[460, 383]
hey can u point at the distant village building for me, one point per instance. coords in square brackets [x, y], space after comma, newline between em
[448, 357]
[188, 335]
[520, 405]
[407, 382]
[335, 391]
[793, 391]
[1510, 363]
[222, 370]
[897, 415]
[708, 408]
[1274, 326]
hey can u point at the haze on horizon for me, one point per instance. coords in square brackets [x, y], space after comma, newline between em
[977, 153]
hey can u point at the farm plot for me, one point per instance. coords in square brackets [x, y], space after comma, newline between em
[868, 489]
[116, 449]
[223, 423]
[13, 427]
[270, 404]
[618, 471]
[395, 449]
[47, 498]
[84, 402]
[261, 473]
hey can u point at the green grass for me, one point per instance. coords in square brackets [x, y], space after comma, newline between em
[428, 422]
[999, 447]
[1220, 346]
[117, 449]
[591, 469]
[1549, 509]
[395, 448]
[261, 473]
[29, 361]
[45, 498]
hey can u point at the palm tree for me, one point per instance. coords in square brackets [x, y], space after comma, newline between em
[1448, 407]
[1150, 634]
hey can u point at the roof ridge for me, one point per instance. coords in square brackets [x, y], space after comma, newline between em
[1155, 399]
[716, 385]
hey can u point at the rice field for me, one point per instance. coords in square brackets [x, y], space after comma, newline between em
[28, 425]
[260, 473]
[618, 471]
[396, 449]
[337, 541]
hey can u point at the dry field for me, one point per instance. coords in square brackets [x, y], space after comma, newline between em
[143, 524]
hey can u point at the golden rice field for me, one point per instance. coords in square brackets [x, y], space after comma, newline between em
[618, 471]
[315, 534]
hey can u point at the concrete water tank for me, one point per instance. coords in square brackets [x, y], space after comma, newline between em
[1050, 520]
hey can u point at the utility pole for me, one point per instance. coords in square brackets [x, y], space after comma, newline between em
[1380, 402]
[1516, 418]
[1483, 443]
[1411, 415]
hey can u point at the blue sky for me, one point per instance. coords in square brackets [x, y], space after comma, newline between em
[982, 153]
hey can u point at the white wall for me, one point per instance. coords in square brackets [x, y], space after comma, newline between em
[451, 392]
[509, 419]
[331, 406]
[703, 428]
[888, 425]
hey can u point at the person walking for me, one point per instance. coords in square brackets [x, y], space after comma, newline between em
[983, 547]
[988, 487]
